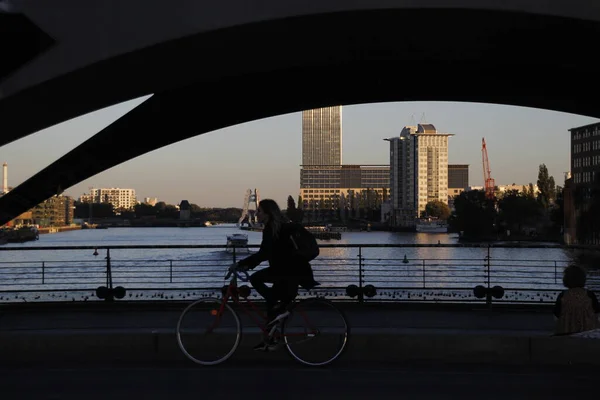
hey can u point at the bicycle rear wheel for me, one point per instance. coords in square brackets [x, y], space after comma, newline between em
[208, 331]
[316, 332]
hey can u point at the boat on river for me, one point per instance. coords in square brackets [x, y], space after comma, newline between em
[431, 225]
[19, 235]
[237, 241]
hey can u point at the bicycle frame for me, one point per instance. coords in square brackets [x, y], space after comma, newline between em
[249, 308]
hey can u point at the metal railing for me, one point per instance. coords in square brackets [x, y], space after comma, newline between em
[368, 272]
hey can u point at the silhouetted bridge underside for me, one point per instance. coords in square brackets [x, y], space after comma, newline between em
[213, 66]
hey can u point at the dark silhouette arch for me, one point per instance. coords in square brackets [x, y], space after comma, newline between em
[221, 78]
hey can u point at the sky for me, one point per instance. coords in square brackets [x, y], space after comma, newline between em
[215, 169]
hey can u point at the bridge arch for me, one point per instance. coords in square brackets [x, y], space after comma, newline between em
[221, 77]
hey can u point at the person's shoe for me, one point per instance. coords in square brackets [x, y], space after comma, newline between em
[273, 345]
[267, 345]
[262, 346]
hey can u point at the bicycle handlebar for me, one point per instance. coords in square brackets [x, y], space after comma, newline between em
[233, 269]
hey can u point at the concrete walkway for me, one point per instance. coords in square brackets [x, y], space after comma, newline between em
[144, 332]
[291, 382]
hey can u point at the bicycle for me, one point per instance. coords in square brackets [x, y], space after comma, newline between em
[296, 332]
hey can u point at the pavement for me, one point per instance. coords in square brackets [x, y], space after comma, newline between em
[97, 334]
[379, 380]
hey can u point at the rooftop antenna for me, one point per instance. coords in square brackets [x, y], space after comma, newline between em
[412, 120]
[422, 118]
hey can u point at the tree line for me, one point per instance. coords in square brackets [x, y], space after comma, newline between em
[160, 210]
[512, 214]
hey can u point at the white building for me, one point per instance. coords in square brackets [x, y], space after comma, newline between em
[505, 188]
[518, 188]
[418, 171]
[121, 199]
[151, 200]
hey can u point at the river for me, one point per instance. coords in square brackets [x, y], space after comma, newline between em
[396, 271]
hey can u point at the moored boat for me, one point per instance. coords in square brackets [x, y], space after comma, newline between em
[431, 225]
[236, 240]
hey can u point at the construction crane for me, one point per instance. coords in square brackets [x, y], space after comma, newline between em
[488, 181]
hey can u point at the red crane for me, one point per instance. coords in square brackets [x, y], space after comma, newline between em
[489, 182]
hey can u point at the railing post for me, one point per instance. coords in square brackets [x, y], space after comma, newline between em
[488, 296]
[43, 272]
[555, 272]
[423, 273]
[109, 281]
[361, 296]
[170, 271]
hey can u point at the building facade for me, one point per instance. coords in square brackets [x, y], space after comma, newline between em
[322, 136]
[458, 181]
[418, 172]
[585, 153]
[581, 189]
[458, 176]
[121, 199]
[327, 184]
[332, 186]
[56, 211]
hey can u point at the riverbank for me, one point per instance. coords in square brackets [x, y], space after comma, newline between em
[510, 239]
[58, 229]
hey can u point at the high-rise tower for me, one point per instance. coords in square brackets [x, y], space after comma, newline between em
[418, 171]
[322, 136]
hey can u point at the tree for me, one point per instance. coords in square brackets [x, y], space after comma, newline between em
[160, 206]
[164, 210]
[144, 210]
[557, 212]
[531, 191]
[474, 215]
[291, 207]
[350, 203]
[437, 209]
[195, 209]
[99, 210]
[294, 214]
[546, 186]
[518, 209]
[322, 209]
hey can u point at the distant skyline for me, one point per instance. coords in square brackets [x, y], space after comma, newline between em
[216, 168]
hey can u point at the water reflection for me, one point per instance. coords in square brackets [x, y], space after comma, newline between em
[386, 268]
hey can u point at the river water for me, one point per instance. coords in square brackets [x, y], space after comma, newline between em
[415, 273]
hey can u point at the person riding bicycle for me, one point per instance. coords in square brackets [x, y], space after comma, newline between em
[286, 272]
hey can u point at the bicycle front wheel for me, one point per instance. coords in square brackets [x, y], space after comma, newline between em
[316, 332]
[208, 331]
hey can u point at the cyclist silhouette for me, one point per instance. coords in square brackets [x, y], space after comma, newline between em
[285, 271]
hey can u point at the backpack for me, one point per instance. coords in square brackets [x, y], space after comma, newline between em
[304, 244]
